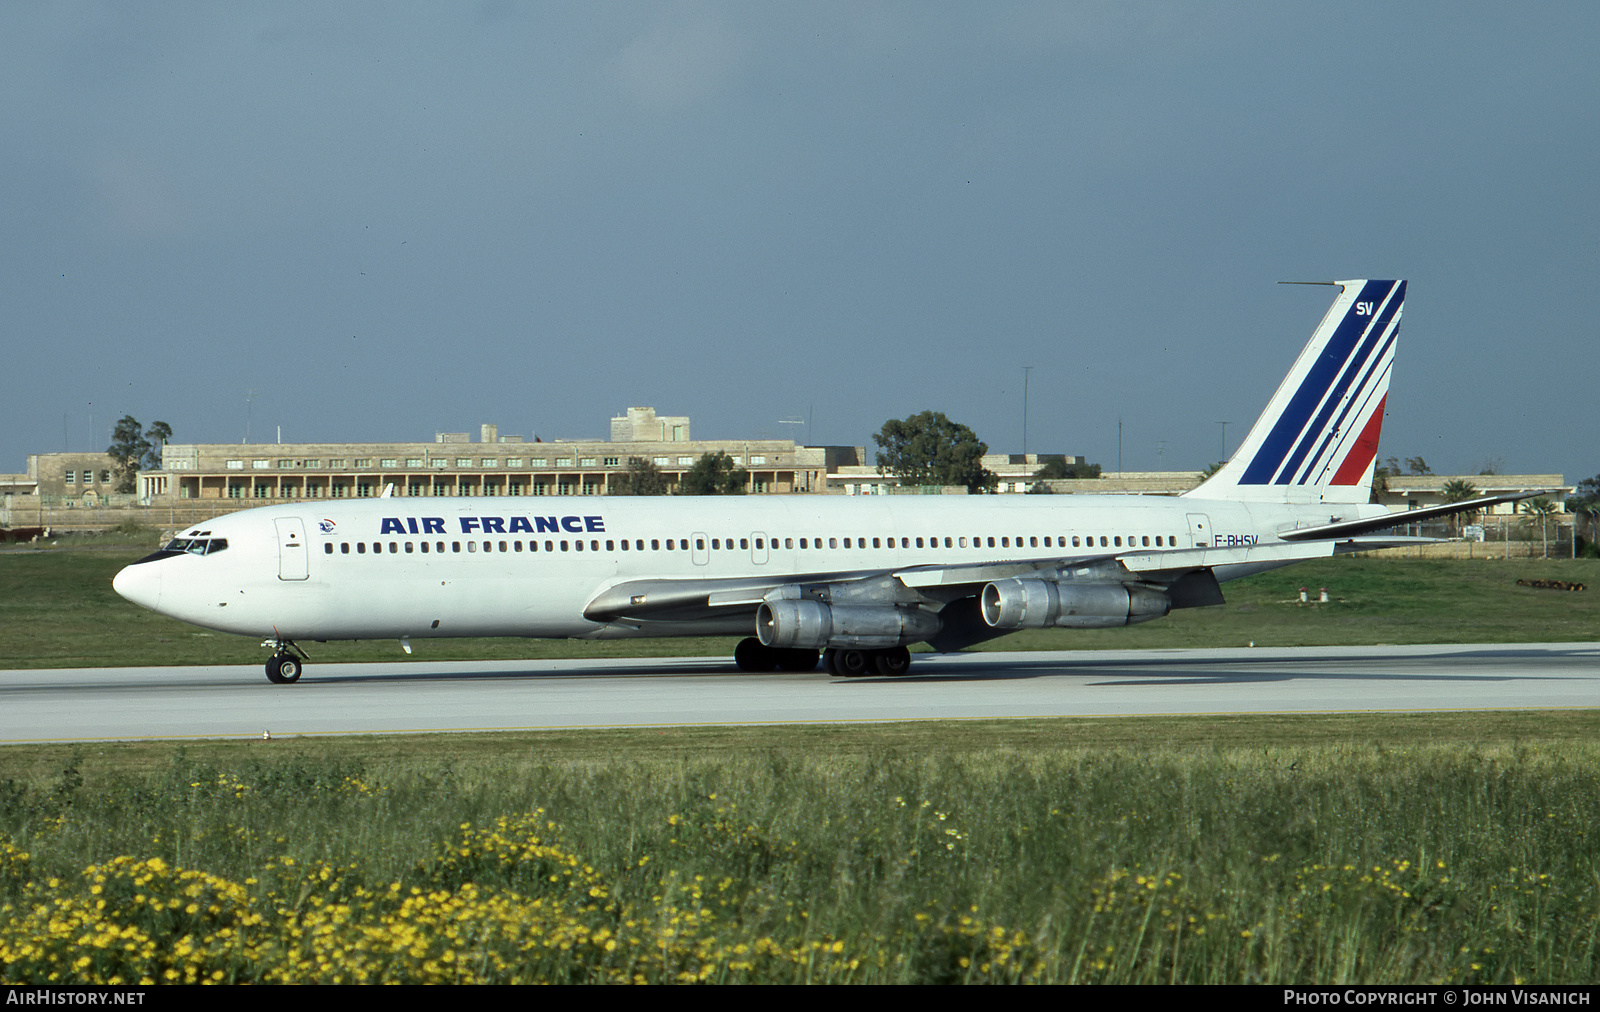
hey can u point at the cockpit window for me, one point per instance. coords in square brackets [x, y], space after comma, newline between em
[197, 546]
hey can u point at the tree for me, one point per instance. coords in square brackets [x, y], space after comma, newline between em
[643, 477]
[1587, 504]
[714, 474]
[158, 433]
[1459, 490]
[1542, 508]
[1414, 466]
[930, 449]
[1380, 481]
[128, 447]
[1055, 469]
[1213, 469]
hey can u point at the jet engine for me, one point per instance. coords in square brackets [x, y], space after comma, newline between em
[811, 625]
[1039, 604]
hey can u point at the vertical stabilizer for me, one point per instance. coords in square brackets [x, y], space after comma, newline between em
[1317, 441]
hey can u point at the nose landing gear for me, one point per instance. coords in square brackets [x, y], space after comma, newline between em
[285, 667]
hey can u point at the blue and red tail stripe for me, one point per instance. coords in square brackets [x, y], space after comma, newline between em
[1317, 440]
[1359, 348]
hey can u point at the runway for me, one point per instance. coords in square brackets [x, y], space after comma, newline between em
[424, 696]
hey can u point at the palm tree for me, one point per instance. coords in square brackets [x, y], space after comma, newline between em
[1459, 490]
[1542, 508]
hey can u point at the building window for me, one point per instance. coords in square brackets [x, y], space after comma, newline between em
[363, 461]
[72, 477]
[335, 463]
[685, 461]
[235, 491]
[757, 458]
[389, 462]
[587, 461]
[563, 461]
[463, 461]
[413, 461]
[613, 461]
[337, 492]
[261, 491]
[236, 465]
[661, 461]
[513, 461]
[538, 462]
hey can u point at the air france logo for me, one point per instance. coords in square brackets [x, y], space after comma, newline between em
[494, 525]
[328, 526]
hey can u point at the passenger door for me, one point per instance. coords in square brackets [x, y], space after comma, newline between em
[292, 551]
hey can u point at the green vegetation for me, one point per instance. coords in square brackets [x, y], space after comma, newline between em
[1409, 849]
[60, 611]
[930, 449]
[714, 474]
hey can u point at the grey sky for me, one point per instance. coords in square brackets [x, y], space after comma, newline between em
[390, 220]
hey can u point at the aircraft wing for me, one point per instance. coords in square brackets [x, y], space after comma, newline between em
[667, 601]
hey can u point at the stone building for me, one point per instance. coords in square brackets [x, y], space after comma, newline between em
[200, 480]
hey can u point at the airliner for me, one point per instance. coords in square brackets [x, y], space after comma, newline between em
[850, 581]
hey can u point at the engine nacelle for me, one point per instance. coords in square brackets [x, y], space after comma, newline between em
[812, 625]
[1040, 604]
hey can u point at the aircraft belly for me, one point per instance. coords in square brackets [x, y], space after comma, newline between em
[386, 609]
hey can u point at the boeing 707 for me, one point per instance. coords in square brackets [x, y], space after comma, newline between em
[850, 581]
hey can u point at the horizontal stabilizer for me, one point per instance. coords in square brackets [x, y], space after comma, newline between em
[1349, 528]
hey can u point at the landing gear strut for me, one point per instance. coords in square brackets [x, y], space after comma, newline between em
[285, 667]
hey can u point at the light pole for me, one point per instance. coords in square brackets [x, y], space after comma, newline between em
[1025, 370]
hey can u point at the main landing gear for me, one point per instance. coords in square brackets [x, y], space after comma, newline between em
[853, 663]
[285, 667]
[752, 655]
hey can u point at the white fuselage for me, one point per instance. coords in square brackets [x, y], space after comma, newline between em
[443, 567]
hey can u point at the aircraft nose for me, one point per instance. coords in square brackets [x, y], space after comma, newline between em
[140, 583]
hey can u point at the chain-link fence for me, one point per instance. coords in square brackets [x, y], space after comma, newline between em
[1522, 536]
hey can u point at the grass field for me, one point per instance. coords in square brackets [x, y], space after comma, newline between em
[1440, 848]
[1428, 848]
[60, 611]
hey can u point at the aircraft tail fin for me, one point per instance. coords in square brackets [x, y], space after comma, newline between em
[1317, 440]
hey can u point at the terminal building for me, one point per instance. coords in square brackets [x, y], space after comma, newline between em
[197, 481]
[455, 464]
